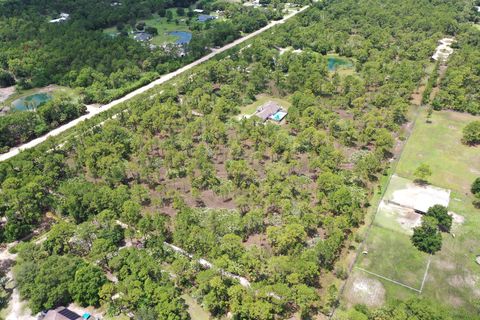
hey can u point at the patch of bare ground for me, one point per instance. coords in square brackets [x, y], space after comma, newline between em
[444, 264]
[344, 114]
[467, 280]
[364, 290]
[258, 240]
[6, 92]
[455, 301]
[457, 219]
[416, 97]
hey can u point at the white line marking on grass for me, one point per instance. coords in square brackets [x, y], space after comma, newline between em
[425, 275]
[387, 279]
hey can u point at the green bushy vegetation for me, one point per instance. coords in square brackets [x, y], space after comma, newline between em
[276, 204]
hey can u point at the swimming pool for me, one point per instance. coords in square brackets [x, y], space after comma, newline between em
[279, 116]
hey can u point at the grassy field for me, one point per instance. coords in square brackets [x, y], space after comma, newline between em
[161, 24]
[438, 144]
[164, 27]
[194, 309]
[453, 277]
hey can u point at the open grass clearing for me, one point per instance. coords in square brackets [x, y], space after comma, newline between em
[392, 255]
[262, 99]
[194, 309]
[454, 165]
[164, 27]
[453, 278]
[161, 24]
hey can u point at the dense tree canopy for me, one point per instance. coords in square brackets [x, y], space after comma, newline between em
[276, 204]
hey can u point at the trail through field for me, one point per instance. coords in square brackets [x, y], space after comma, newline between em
[93, 112]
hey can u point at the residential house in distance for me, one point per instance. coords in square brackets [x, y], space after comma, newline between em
[63, 17]
[271, 110]
[142, 36]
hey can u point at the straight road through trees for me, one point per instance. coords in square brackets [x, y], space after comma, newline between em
[14, 151]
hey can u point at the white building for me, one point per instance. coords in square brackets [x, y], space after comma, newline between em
[63, 17]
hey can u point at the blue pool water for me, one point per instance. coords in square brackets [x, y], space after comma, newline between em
[279, 116]
[183, 36]
[30, 102]
[335, 62]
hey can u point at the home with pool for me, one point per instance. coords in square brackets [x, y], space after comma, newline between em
[271, 111]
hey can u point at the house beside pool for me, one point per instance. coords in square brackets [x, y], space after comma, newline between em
[62, 313]
[271, 110]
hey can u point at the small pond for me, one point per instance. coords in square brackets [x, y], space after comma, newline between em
[183, 36]
[30, 102]
[335, 62]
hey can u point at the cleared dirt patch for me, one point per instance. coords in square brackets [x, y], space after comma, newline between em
[457, 219]
[463, 281]
[407, 218]
[365, 290]
[420, 197]
[445, 265]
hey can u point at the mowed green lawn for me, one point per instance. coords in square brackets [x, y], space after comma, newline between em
[454, 165]
[392, 255]
[162, 25]
[453, 278]
[194, 309]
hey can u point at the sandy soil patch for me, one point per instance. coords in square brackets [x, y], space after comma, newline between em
[421, 197]
[443, 264]
[6, 92]
[455, 301]
[457, 219]
[406, 218]
[463, 281]
[368, 291]
[475, 171]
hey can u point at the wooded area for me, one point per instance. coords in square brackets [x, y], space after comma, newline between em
[274, 203]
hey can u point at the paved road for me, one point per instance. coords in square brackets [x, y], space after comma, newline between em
[93, 112]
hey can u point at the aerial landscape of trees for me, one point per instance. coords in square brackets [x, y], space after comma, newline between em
[276, 204]
[21, 126]
[77, 53]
